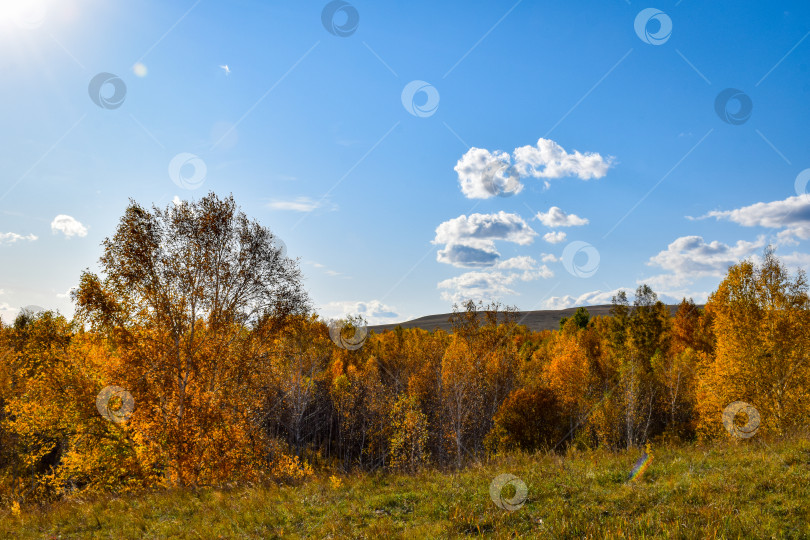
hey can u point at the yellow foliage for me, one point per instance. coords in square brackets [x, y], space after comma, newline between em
[227, 403]
[568, 373]
[287, 468]
[760, 317]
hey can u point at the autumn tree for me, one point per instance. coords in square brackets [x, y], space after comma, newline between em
[580, 318]
[647, 340]
[635, 339]
[362, 404]
[479, 369]
[760, 317]
[677, 370]
[692, 329]
[34, 375]
[409, 437]
[7, 443]
[462, 395]
[297, 381]
[181, 288]
[569, 375]
[529, 419]
[425, 351]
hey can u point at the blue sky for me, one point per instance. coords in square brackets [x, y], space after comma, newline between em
[550, 155]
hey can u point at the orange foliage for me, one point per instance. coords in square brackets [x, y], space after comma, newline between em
[222, 398]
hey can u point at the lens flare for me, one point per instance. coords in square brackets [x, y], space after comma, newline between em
[641, 465]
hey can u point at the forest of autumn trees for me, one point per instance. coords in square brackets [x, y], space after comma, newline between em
[202, 319]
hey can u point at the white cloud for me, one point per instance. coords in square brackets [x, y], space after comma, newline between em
[550, 160]
[489, 285]
[8, 313]
[298, 204]
[68, 226]
[600, 298]
[523, 262]
[373, 311]
[669, 280]
[177, 201]
[555, 217]
[689, 258]
[468, 256]
[470, 240]
[592, 298]
[65, 294]
[477, 286]
[327, 271]
[560, 302]
[554, 237]
[796, 259]
[792, 215]
[542, 272]
[529, 266]
[548, 257]
[484, 228]
[483, 174]
[674, 296]
[10, 238]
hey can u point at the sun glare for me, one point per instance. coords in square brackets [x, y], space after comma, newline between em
[26, 14]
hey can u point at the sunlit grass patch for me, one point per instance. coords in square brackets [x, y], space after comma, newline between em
[727, 490]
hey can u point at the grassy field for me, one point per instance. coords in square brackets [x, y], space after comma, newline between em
[729, 490]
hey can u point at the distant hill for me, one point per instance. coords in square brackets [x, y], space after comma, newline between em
[545, 319]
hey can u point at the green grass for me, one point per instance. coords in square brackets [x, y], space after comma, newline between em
[747, 490]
